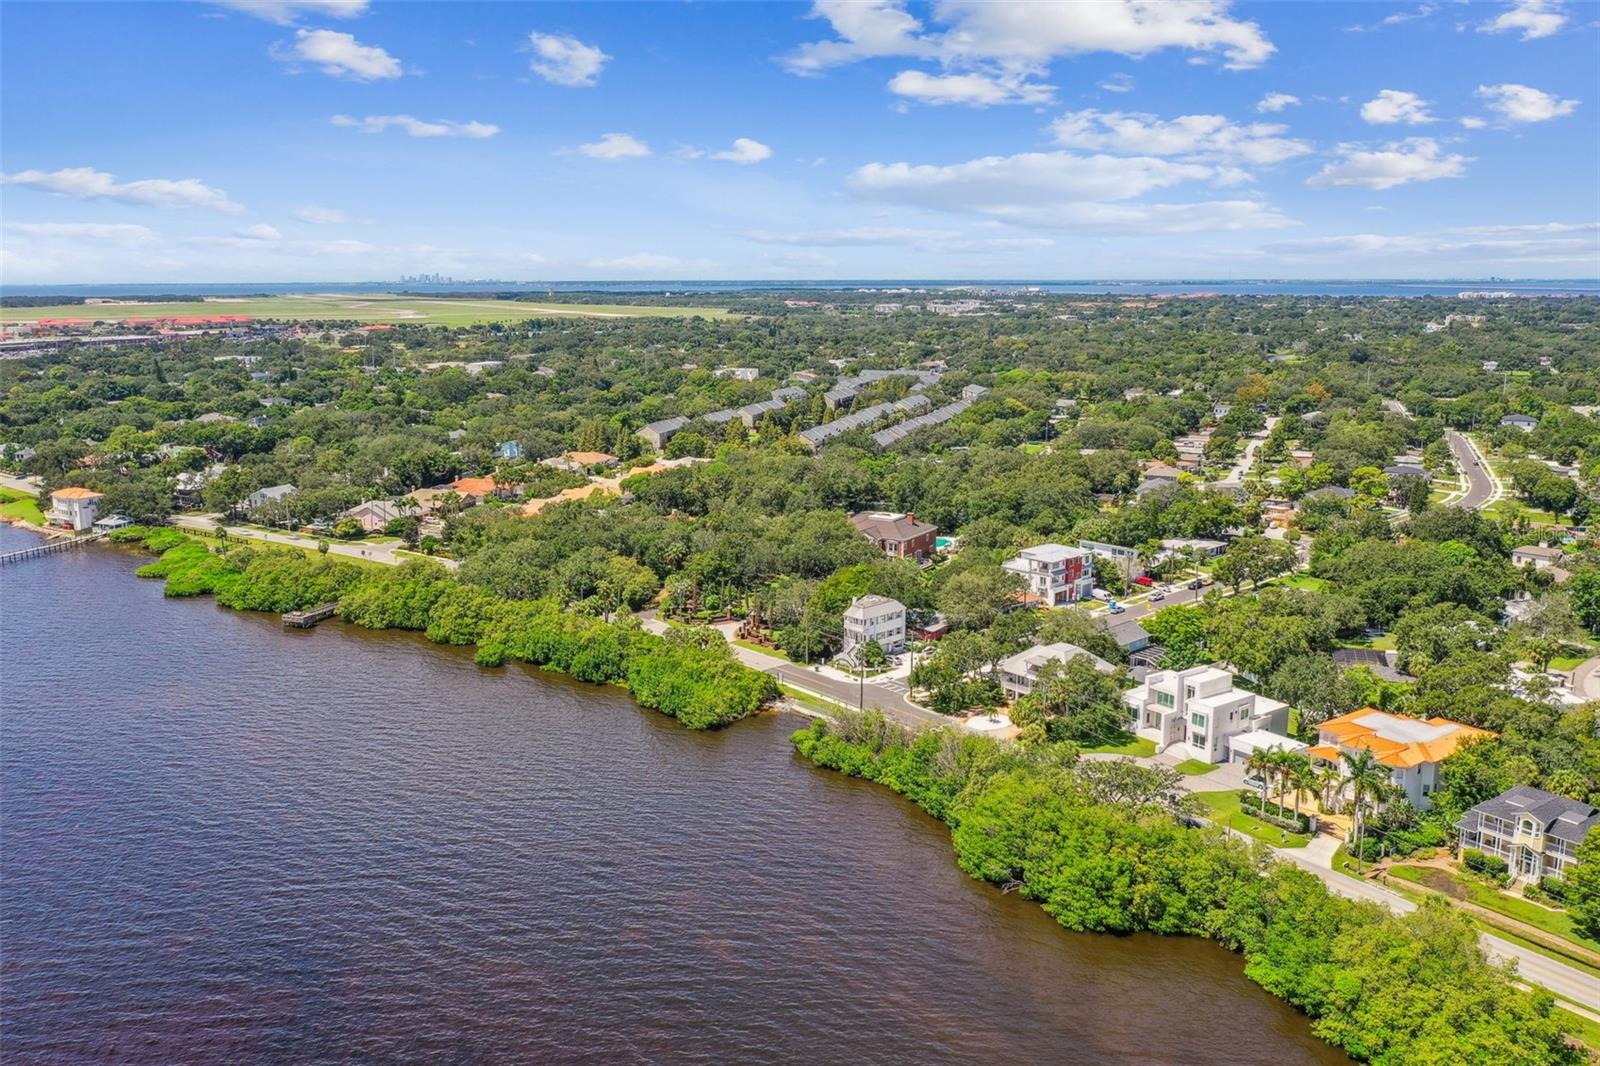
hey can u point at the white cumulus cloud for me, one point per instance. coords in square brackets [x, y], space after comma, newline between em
[1392, 106]
[417, 127]
[339, 55]
[285, 12]
[1520, 103]
[1275, 102]
[744, 152]
[259, 232]
[1532, 18]
[564, 60]
[1016, 34]
[615, 146]
[86, 183]
[1198, 136]
[971, 90]
[1064, 190]
[1411, 160]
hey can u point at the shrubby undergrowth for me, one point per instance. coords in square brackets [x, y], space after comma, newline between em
[1106, 850]
[695, 681]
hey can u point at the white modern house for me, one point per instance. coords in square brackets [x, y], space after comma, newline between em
[1055, 573]
[875, 618]
[1199, 711]
[1018, 673]
[74, 508]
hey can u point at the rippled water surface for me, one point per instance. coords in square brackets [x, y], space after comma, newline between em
[225, 843]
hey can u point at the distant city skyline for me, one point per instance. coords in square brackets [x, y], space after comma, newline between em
[342, 140]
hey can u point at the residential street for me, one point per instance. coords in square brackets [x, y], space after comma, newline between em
[1483, 488]
[377, 553]
[1538, 969]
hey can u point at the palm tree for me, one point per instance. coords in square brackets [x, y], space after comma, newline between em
[1366, 779]
[1260, 764]
[1297, 772]
[1327, 781]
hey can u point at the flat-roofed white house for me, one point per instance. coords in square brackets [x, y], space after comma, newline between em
[875, 618]
[1055, 573]
[74, 508]
[1198, 711]
[1536, 832]
[1019, 672]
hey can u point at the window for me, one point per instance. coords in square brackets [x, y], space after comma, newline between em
[1198, 740]
[1164, 699]
[1197, 720]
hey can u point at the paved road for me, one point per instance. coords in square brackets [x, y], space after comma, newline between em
[27, 485]
[1567, 981]
[377, 553]
[1482, 489]
[850, 693]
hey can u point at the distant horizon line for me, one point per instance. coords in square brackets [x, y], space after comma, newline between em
[801, 283]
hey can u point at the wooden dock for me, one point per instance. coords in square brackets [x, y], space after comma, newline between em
[62, 544]
[309, 617]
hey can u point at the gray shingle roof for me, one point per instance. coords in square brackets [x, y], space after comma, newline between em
[1560, 817]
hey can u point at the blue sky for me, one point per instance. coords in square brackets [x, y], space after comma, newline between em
[340, 140]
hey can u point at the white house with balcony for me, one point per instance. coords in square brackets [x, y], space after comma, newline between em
[1198, 711]
[1537, 833]
[74, 508]
[1055, 573]
[1018, 673]
[875, 618]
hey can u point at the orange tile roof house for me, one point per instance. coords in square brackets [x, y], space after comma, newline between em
[74, 508]
[477, 489]
[1410, 748]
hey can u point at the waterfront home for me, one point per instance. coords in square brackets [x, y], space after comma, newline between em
[111, 523]
[188, 486]
[1536, 832]
[1055, 573]
[73, 508]
[897, 535]
[1198, 711]
[1411, 749]
[1020, 672]
[876, 618]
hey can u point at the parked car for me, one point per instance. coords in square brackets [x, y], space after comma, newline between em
[1144, 579]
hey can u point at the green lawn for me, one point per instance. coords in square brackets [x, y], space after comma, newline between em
[1304, 581]
[1560, 662]
[1556, 923]
[358, 307]
[1224, 807]
[777, 653]
[14, 504]
[1381, 642]
[805, 699]
[1194, 767]
[1127, 744]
